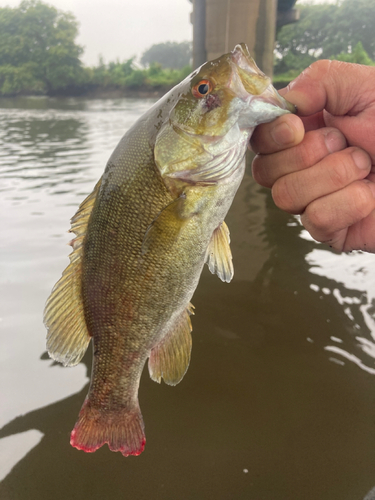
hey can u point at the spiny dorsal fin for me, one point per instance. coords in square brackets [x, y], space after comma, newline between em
[170, 359]
[219, 255]
[67, 337]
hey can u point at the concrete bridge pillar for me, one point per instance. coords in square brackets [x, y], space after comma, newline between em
[218, 25]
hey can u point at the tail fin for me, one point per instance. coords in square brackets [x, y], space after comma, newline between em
[122, 430]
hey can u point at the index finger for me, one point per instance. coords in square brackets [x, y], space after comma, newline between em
[284, 132]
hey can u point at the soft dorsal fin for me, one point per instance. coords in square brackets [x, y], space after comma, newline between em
[170, 359]
[219, 255]
[68, 337]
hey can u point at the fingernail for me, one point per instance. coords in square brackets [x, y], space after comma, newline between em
[282, 134]
[361, 159]
[335, 141]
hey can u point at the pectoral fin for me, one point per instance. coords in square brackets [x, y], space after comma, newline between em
[170, 359]
[68, 337]
[219, 255]
[165, 228]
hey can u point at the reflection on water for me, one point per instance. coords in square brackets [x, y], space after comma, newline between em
[279, 400]
[350, 279]
[48, 147]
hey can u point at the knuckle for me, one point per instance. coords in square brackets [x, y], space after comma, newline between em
[340, 174]
[303, 153]
[284, 195]
[260, 139]
[258, 171]
[318, 221]
[311, 150]
[255, 140]
[315, 69]
[362, 200]
[324, 217]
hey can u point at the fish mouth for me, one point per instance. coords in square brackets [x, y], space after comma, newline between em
[271, 96]
[254, 82]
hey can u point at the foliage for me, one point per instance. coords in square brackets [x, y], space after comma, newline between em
[354, 23]
[281, 80]
[159, 77]
[16, 79]
[169, 55]
[125, 75]
[38, 55]
[37, 48]
[38, 52]
[299, 44]
[114, 74]
[326, 31]
[358, 56]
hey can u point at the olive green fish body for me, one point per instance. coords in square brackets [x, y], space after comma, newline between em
[142, 238]
[154, 248]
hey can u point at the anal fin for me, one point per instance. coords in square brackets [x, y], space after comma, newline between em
[68, 337]
[219, 255]
[170, 359]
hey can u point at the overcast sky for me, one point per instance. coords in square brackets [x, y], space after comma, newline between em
[120, 29]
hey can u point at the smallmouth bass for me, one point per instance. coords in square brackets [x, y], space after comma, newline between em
[143, 236]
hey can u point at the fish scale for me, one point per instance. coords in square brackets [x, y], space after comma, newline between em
[143, 236]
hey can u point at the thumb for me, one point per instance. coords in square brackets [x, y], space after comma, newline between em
[357, 129]
[338, 87]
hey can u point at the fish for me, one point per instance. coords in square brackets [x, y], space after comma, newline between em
[142, 238]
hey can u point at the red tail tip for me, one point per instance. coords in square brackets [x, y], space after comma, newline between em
[122, 430]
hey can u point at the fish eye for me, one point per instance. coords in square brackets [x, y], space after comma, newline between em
[202, 88]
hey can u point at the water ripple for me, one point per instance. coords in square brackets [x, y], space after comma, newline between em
[58, 145]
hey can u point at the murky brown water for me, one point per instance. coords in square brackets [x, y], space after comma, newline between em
[279, 399]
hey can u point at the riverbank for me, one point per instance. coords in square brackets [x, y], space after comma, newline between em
[119, 93]
[112, 93]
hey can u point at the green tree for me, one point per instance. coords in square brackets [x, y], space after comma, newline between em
[354, 23]
[301, 43]
[168, 55]
[325, 30]
[358, 55]
[37, 48]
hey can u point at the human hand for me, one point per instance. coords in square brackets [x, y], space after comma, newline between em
[322, 164]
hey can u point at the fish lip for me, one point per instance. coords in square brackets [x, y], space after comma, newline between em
[271, 96]
[240, 57]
